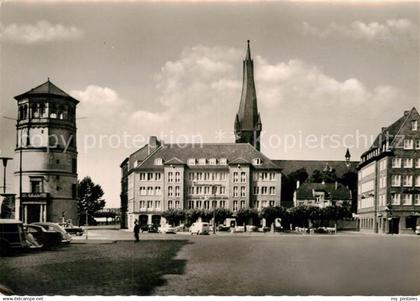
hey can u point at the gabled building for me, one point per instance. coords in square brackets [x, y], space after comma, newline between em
[321, 194]
[389, 178]
[204, 176]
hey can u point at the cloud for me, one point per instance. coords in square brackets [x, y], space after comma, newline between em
[304, 84]
[41, 32]
[199, 93]
[393, 30]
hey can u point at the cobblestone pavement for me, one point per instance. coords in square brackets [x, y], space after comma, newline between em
[292, 265]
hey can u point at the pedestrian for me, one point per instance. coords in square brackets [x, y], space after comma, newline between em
[136, 230]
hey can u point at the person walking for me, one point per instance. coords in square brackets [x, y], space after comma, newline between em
[136, 230]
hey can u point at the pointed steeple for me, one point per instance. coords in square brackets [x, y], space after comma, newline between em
[248, 52]
[248, 122]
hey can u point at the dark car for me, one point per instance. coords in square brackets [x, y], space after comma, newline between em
[12, 236]
[151, 228]
[65, 237]
[223, 228]
[46, 238]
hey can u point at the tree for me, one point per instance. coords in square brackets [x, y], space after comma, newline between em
[299, 216]
[90, 198]
[349, 179]
[173, 216]
[244, 215]
[221, 214]
[327, 176]
[192, 215]
[288, 184]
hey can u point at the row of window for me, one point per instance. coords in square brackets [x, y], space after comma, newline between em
[150, 190]
[405, 163]
[41, 111]
[207, 176]
[207, 190]
[198, 204]
[150, 176]
[147, 205]
[405, 199]
[265, 190]
[409, 144]
[407, 180]
[171, 191]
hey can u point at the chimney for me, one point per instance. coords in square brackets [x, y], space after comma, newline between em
[297, 184]
[154, 143]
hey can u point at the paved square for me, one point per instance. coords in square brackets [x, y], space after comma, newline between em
[225, 264]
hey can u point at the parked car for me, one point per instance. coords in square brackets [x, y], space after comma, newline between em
[168, 229]
[223, 228]
[12, 236]
[46, 238]
[65, 237]
[151, 228]
[72, 229]
[200, 228]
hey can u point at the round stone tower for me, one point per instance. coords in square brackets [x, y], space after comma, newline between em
[46, 155]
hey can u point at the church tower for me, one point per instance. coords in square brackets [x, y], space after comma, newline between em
[46, 155]
[248, 121]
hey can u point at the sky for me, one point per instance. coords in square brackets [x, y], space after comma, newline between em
[328, 75]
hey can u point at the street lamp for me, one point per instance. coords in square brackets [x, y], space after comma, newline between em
[4, 159]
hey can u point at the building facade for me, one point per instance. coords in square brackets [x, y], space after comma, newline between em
[321, 194]
[202, 176]
[46, 155]
[389, 178]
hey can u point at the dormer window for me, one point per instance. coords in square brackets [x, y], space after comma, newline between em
[257, 161]
[202, 161]
[212, 161]
[414, 125]
[191, 161]
[223, 161]
[158, 161]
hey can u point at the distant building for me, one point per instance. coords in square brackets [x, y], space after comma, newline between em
[321, 194]
[206, 176]
[389, 178]
[46, 155]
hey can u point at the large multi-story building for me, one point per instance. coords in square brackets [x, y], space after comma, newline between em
[46, 155]
[237, 175]
[204, 176]
[389, 178]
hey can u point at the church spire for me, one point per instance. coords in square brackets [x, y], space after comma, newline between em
[248, 122]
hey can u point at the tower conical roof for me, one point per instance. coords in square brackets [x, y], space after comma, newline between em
[47, 88]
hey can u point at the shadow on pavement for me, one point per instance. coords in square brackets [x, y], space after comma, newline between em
[121, 268]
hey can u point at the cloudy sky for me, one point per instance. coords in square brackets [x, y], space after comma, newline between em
[174, 70]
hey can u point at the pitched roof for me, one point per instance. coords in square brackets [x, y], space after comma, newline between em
[47, 88]
[231, 151]
[306, 191]
[391, 132]
[340, 167]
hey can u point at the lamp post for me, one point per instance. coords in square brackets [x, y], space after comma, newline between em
[4, 159]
